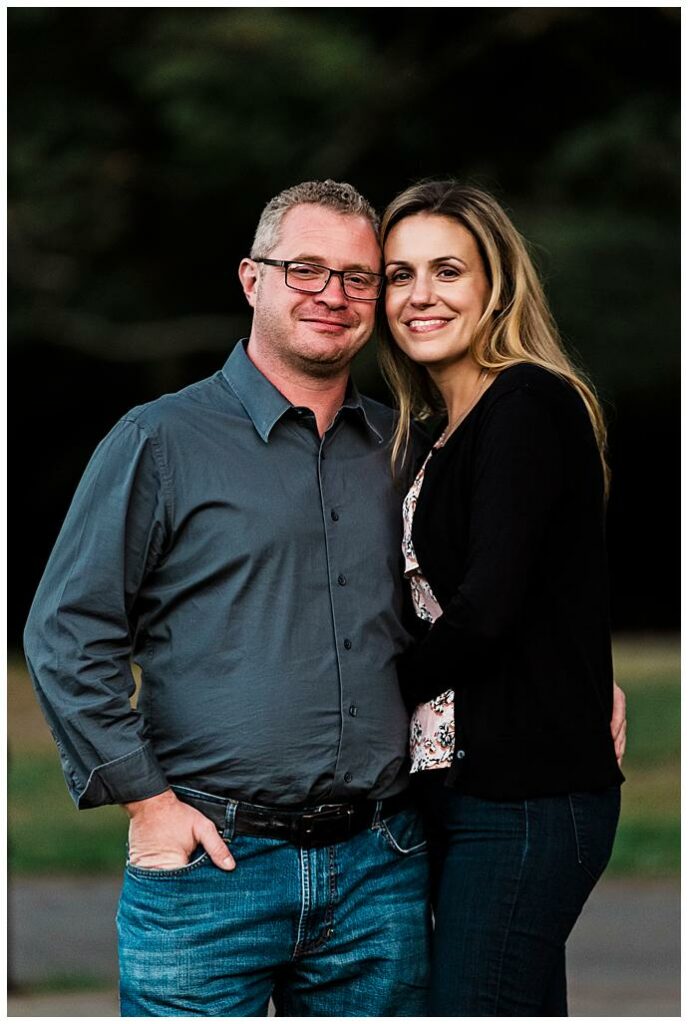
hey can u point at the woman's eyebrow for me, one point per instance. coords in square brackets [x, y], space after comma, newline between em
[443, 259]
[437, 259]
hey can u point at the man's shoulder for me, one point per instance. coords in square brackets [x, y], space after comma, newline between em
[172, 409]
[380, 416]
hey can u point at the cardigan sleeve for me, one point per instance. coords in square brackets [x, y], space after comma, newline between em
[517, 479]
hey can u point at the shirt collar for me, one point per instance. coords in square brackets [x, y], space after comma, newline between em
[354, 400]
[262, 401]
[264, 404]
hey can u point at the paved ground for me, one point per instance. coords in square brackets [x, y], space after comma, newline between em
[623, 956]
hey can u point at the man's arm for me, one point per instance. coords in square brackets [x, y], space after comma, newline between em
[78, 644]
[78, 639]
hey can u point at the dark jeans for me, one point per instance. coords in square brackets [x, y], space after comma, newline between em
[509, 881]
[338, 931]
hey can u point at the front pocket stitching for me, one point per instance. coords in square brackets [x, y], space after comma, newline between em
[161, 872]
[395, 844]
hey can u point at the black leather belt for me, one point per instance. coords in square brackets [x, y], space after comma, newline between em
[322, 825]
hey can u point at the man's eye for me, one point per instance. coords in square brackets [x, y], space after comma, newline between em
[304, 272]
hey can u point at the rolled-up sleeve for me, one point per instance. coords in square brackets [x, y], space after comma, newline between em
[78, 639]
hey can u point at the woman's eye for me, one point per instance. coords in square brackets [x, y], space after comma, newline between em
[398, 277]
[448, 273]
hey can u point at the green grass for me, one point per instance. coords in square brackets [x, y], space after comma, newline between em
[65, 983]
[649, 836]
[47, 834]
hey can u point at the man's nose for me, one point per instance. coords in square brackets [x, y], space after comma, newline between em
[333, 293]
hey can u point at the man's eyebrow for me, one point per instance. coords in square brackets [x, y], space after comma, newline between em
[321, 262]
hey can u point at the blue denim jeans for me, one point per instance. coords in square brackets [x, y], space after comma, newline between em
[509, 882]
[342, 930]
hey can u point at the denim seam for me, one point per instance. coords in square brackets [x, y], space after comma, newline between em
[513, 909]
[577, 837]
[299, 948]
[328, 920]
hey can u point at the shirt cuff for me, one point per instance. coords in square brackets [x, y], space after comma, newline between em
[134, 776]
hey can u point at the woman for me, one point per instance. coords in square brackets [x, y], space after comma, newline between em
[504, 549]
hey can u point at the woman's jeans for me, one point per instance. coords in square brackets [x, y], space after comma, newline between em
[509, 881]
[342, 930]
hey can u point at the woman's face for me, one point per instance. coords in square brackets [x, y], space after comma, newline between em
[437, 288]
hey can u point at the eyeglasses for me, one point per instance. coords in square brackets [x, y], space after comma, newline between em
[311, 278]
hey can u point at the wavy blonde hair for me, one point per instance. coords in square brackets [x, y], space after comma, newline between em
[516, 326]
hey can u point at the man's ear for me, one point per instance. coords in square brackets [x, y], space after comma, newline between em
[248, 275]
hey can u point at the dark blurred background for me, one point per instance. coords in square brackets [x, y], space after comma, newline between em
[143, 143]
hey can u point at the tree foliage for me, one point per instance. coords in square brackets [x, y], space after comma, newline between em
[143, 143]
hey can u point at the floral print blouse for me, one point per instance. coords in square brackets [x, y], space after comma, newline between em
[432, 724]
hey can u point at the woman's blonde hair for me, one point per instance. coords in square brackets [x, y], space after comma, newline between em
[516, 326]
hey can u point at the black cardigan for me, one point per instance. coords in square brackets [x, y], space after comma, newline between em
[509, 532]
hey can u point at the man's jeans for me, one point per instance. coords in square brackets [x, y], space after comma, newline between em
[340, 930]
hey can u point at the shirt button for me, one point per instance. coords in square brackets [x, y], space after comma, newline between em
[334, 516]
[341, 580]
[347, 644]
[353, 710]
[348, 776]
[460, 754]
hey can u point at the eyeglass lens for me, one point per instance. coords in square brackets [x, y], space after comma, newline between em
[308, 277]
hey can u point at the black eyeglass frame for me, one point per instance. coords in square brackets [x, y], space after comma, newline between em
[337, 273]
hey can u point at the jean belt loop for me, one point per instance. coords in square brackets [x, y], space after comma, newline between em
[377, 815]
[230, 815]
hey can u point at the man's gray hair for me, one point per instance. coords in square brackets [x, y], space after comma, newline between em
[335, 195]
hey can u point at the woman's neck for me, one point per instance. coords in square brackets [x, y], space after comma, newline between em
[461, 387]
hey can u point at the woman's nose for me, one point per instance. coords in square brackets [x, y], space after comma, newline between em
[422, 293]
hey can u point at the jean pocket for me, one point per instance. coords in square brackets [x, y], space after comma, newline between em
[198, 858]
[404, 832]
[595, 817]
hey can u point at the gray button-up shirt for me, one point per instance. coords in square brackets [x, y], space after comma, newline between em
[252, 569]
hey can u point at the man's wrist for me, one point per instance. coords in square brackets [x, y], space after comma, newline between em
[165, 799]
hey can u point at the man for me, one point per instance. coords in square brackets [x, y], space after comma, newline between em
[241, 541]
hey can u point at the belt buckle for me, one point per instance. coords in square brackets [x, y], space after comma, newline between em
[307, 824]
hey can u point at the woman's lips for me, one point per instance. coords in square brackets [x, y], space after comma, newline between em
[426, 326]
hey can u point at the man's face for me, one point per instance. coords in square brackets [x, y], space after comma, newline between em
[316, 334]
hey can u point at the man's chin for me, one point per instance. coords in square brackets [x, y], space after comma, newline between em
[328, 358]
[325, 364]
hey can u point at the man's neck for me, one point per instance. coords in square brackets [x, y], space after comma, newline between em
[323, 395]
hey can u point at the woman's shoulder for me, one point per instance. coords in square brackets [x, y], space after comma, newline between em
[530, 376]
[536, 384]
